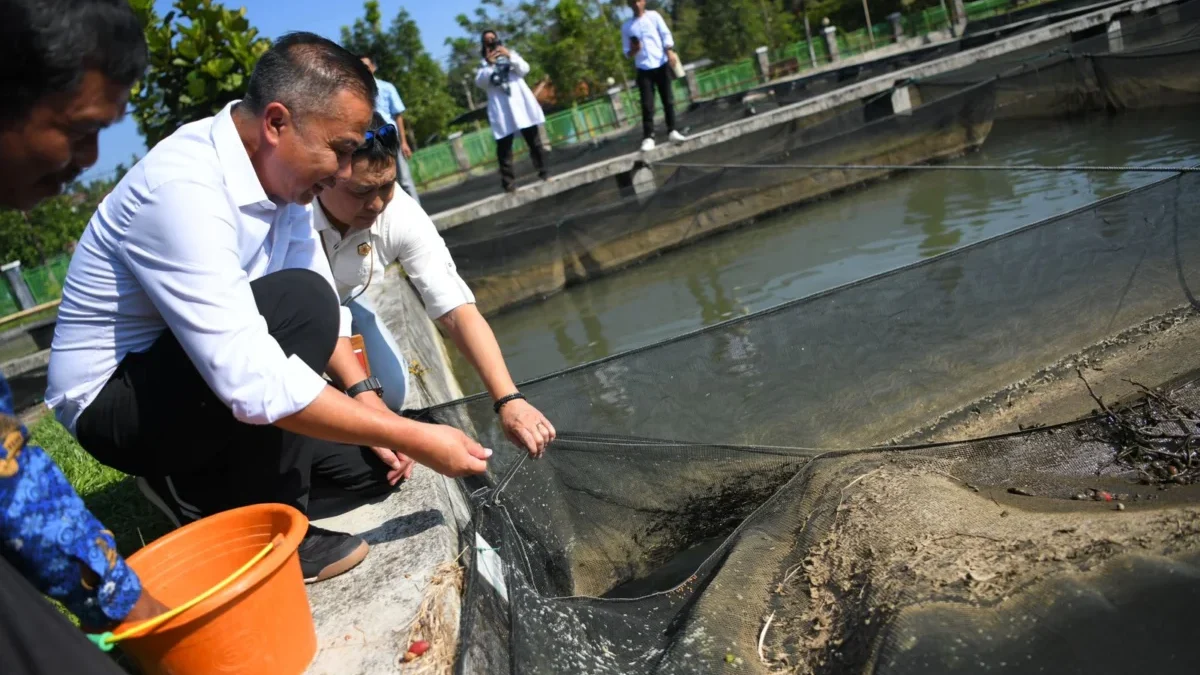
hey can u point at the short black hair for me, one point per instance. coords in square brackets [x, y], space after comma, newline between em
[303, 71]
[378, 150]
[48, 45]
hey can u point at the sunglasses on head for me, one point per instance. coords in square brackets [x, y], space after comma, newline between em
[385, 134]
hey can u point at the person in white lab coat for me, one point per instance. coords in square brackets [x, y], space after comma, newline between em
[512, 107]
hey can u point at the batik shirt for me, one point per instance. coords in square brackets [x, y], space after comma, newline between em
[49, 535]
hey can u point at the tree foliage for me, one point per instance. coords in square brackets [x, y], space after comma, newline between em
[402, 60]
[201, 57]
[745, 25]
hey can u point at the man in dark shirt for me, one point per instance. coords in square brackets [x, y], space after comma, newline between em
[67, 69]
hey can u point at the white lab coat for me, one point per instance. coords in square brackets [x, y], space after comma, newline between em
[518, 109]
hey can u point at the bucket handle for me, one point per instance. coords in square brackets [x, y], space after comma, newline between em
[106, 640]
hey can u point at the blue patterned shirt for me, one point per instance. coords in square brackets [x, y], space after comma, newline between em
[49, 535]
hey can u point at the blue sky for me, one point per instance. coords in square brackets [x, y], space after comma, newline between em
[275, 17]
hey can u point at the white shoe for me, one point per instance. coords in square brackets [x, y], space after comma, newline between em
[648, 145]
[677, 137]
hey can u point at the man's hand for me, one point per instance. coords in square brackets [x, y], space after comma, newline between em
[635, 46]
[400, 465]
[452, 453]
[672, 57]
[405, 150]
[527, 427]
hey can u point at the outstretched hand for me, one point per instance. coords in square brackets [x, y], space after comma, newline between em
[527, 427]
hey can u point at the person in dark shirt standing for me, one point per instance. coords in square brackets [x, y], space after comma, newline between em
[67, 69]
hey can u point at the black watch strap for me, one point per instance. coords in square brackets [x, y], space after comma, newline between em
[506, 399]
[370, 384]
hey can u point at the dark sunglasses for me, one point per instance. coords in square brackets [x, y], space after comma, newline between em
[386, 134]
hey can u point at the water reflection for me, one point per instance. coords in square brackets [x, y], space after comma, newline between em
[837, 241]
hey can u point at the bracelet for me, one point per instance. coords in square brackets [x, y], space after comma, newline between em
[506, 399]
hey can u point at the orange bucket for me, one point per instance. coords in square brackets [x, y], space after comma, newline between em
[260, 624]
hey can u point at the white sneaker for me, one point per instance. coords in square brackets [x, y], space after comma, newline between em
[677, 137]
[648, 145]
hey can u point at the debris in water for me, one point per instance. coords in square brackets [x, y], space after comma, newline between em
[1120, 506]
[1155, 436]
[1019, 491]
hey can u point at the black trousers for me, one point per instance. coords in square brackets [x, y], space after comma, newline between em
[647, 82]
[504, 155]
[36, 639]
[157, 418]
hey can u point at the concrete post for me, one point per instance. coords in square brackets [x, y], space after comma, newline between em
[544, 138]
[764, 63]
[17, 282]
[897, 27]
[902, 103]
[1116, 42]
[460, 151]
[638, 181]
[692, 83]
[614, 97]
[958, 17]
[831, 42]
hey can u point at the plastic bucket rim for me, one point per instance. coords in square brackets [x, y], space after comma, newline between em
[260, 573]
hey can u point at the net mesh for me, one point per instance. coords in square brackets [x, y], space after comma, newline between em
[668, 552]
[539, 248]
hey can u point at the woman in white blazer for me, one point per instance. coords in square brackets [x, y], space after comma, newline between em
[512, 107]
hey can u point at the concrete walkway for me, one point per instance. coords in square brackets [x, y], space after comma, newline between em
[409, 587]
[625, 163]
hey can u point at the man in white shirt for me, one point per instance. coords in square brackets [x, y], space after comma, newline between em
[646, 38]
[199, 313]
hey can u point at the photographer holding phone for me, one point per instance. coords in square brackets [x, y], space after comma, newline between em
[512, 106]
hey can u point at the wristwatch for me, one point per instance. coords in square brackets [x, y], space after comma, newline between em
[370, 384]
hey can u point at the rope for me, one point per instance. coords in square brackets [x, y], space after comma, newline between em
[940, 167]
[105, 641]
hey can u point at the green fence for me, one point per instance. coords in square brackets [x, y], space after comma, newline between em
[44, 282]
[8, 300]
[597, 117]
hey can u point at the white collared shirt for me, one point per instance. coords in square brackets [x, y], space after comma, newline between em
[175, 246]
[516, 109]
[652, 32]
[402, 233]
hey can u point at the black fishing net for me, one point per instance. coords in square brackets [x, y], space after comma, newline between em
[525, 253]
[691, 119]
[680, 525]
[711, 113]
[1145, 61]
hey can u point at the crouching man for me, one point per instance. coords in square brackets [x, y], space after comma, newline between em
[199, 314]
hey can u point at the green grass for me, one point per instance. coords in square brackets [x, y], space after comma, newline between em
[109, 494]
